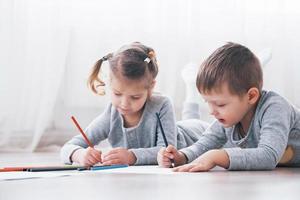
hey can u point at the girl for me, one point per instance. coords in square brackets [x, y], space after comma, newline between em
[129, 122]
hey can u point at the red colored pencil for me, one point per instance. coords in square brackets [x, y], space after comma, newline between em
[35, 168]
[82, 133]
[12, 169]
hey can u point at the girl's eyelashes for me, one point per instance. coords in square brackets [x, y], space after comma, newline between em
[135, 97]
[132, 97]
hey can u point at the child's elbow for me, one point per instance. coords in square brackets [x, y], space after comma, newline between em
[266, 165]
[266, 159]
[271, 160]
[270, 166]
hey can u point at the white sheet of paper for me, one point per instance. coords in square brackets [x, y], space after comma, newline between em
[9, 176]
[136, 170]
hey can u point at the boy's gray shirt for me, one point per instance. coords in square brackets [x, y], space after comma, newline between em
[275, 124]
[141, 139]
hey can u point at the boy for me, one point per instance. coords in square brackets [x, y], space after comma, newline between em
[254, 130]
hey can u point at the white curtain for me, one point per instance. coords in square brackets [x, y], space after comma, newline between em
[34, 45]
[48, 47]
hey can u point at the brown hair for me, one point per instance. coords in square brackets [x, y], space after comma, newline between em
[135, 62]
[233, 64]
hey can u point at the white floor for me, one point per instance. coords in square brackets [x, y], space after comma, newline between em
[21, 159]
[282, 183]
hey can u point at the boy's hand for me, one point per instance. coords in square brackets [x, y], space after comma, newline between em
[119, 156]
[206, 162]
[165, 155]
[87, 157]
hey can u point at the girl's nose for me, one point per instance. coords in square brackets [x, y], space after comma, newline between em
[124, 103]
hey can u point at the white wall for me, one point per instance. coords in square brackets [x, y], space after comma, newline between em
[48, 47]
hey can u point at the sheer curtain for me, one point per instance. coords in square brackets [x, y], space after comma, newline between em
[48, 47]
[34, 45]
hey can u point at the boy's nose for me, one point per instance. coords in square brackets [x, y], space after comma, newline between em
[212, 111]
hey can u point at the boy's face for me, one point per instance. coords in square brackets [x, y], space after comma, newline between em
[227, 108]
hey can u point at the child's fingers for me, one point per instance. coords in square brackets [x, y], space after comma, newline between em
[93, 154]
[198, 168]
[166, 159]
[113, 162]
[94, 150]
[168, 155]
[90, 149]
[184, 168]
[112, 152]
[115, 150]
[161, 151]
[90, 161]
[160, 157]
[164, 153]
[96, 157]
[171, 149]
[175, 169]
[166, 164]
[96, 154]
[97, 151]
[110, 157]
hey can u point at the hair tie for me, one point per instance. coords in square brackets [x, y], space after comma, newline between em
[150, 56]
[147, 60]
[105, 58]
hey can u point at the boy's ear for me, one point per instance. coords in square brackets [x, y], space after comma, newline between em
[253, 95]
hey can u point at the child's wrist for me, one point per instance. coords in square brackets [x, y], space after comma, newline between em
[183, 159]
[75, 155]
[132, 158]
[220, 158]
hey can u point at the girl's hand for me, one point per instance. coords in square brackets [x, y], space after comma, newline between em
[206, 162]
[87, 157]
[165, 155]
[119, 156]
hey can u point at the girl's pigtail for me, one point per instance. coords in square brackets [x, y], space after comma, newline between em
[94, 81]
[152, 63]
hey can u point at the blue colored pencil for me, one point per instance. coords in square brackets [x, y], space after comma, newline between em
[107, 167]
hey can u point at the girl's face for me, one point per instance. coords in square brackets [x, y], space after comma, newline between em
[128, 96]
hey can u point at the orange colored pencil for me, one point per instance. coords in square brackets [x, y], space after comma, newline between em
[12, 169]
[24, 168]
[82, 133]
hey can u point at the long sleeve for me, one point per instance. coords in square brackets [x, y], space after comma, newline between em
[275, 127]
[96, 131]
[214, 137]
[148, 156]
